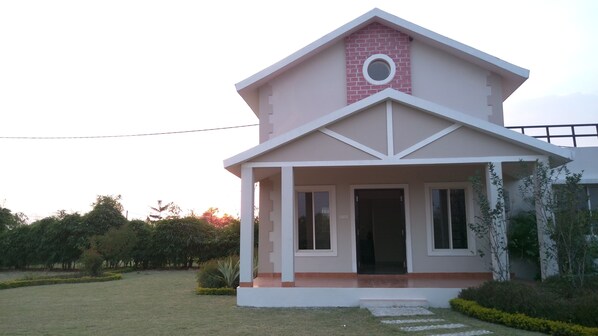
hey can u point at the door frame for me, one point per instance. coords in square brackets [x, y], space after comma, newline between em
[405, 188]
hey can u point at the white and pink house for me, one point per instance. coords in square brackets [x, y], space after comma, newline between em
[368, 138]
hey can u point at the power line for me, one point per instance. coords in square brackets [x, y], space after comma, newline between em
[122, 135]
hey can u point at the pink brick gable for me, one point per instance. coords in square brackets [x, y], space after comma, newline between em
[376, 39]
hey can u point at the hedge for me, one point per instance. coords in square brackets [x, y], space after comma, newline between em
[55, 281]
[216, 291]
[520, 321]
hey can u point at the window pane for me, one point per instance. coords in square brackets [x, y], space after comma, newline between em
[379, 70]
[322, 220]
[305, 217]
[458, 219]
[440, 217]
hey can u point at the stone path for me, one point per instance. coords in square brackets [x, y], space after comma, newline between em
[422, 324]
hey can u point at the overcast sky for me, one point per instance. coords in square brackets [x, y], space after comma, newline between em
[84, 68]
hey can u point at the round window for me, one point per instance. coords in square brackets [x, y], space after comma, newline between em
[379, 69]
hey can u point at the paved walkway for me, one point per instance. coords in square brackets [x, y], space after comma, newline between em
[414, 319]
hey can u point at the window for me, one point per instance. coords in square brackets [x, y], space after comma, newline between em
[448, 212]
[592, 191]
[315, 221]
[379, 69]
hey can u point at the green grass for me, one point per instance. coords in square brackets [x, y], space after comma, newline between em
[165, 303]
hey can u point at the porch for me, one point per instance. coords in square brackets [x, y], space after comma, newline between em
[353, 290]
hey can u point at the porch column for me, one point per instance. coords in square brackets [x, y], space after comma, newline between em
[542, 196]
[287, 200]
[246, 244]
[498, 232]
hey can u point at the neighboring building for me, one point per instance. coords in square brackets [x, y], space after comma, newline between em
[368, 138]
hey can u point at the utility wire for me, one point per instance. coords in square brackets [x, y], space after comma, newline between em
[122, 135]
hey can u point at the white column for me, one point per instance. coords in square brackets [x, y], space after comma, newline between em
[287, 201]
[246, 245]
[542, 196]
[498, 233]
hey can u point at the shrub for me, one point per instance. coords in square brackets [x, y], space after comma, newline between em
[229, 271]
[216, 291]
[553, 300]
[520, 321]
[209, 275]
[218, 273]
[56, 280]
[92, 262]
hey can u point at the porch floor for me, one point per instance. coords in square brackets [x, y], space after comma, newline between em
[420, 280]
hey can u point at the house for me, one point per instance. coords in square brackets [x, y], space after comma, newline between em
[368, 139]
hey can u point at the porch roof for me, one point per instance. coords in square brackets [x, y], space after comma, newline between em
[490, 131]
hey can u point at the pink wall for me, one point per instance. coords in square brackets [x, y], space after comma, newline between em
[376, 39]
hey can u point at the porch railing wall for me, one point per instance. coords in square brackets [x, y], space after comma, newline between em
[571, 135]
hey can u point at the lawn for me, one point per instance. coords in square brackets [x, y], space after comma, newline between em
[164, 303]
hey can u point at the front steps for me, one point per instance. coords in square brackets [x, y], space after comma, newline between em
[412, 316]
[372, 303]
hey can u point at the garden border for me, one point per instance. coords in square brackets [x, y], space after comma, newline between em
[520, 321]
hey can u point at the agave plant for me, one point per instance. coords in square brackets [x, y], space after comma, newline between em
[229, 270]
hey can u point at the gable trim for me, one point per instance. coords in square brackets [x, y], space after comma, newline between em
[352, 143]
[392, 161]
[563, 154]
[428, 141]
[390, 133]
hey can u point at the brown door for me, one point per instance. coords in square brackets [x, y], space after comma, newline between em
[380, 225]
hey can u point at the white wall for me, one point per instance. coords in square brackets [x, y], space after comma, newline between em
[449, 81]
[310, 90]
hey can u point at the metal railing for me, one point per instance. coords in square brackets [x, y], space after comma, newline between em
[551, 132]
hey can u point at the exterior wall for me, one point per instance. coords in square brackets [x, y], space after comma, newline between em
[449, 81]
[415, 178]
[371, 40]
[466, 142]
[308, 91]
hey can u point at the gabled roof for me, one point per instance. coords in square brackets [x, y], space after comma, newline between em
[513, 75]
[561, 155]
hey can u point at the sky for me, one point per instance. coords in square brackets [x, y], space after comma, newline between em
[85, 68]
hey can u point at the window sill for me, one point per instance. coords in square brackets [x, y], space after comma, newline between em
[452, 253]
[315, 253]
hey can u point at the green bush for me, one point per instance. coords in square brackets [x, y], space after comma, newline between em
[216, 291]
[553, 300]
[56, 280]
[221, 272]
[523, 237]
[229, 271]
[92, 262]
[208, 275]
[520, 321]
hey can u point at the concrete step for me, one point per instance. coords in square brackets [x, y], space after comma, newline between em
[369, 303]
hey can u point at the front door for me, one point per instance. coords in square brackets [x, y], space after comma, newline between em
[380, 225]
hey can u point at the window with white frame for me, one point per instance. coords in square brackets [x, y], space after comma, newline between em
[449, 210]
[315, 221]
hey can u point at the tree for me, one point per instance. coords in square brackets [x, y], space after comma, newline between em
[116, 245]
[211, 216]
[168, 211]
[106, 214]
[9, 221]
[142, 252]
[179, 241]
[563, 207]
